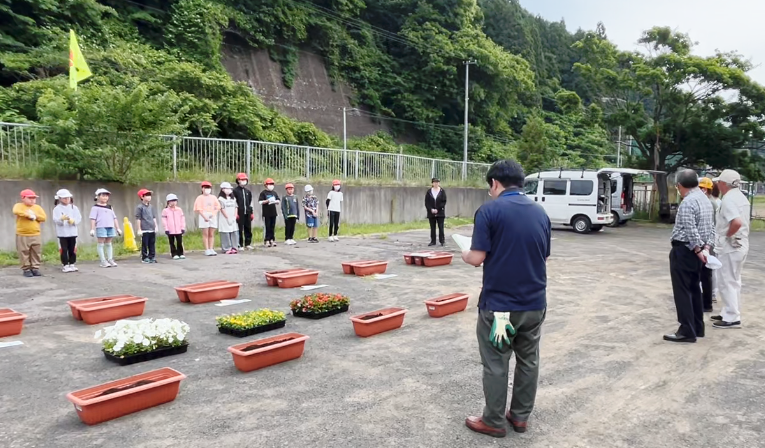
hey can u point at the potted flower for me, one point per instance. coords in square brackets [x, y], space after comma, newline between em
[251, 322]
[131, 341]
[320, 305]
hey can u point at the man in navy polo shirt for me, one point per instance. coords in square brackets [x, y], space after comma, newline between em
[511, 237]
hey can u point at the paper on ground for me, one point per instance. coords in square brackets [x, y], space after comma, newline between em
[462, 241]
[10, 344]
[310, 287]
[384, 276]
[231, 302]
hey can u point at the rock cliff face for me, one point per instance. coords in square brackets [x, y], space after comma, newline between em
[311, 98]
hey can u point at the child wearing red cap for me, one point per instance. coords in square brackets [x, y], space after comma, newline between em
[291, 213]
[269, 200]
[29, 215]
[146, 226]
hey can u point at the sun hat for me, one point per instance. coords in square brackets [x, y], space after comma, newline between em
[335, 182]
[225, 185]
[28, 194]
[242, 176]
[730, 177]
[289, 186]
[308, 188]
[206, 184]
[143, 192]
[706, 182]
[101, 191]
[268, 181]
[171, 197]
[63, 194]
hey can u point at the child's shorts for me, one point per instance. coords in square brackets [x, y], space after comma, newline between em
[105, 232]
[312, 221]
[211, 224]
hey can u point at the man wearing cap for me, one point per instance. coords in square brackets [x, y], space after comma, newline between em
[707, 275]
[692, 237]
[732, 247]
[435, 204]
[29, 215]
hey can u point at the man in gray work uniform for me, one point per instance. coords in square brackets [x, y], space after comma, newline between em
[511, 237]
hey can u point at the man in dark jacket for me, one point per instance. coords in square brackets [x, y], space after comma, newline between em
[435, 204]
[245, 213]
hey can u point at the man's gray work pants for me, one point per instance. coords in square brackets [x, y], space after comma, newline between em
[525, 345]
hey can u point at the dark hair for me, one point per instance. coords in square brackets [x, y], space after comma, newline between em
[507, 172]
[688, 179]
[56, 201]
[715, 191]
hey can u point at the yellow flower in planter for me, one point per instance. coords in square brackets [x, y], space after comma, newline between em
[250, 319]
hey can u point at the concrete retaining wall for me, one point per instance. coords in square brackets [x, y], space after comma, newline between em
[362, 205]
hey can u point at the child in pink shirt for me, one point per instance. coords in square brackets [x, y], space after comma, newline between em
[174, 223]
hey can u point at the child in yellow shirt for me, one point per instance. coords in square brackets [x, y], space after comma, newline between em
[29, 215]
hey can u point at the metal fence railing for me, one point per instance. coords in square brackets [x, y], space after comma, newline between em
[200, 157]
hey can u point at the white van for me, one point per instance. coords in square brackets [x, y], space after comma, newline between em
[577, 198]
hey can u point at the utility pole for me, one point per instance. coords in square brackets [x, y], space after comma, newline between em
[467, 63]
[345, 140]
[619, 149]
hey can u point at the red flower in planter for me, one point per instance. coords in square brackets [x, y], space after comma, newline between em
[319, 303]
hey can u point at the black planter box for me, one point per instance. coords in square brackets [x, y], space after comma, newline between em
[148, 356]
[342, 309]
[255, 330]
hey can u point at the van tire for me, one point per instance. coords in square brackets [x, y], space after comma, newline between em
[581, 224]
[617, 220]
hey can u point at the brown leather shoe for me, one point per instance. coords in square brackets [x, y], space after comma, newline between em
[517, 426]
[476, 424]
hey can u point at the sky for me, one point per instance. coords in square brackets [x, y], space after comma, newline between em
[729, 25]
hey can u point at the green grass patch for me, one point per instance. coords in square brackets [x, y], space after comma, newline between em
[192, 241]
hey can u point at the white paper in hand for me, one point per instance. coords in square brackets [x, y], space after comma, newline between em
[464, 242]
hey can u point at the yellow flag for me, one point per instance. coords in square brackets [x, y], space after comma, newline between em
[78, 67]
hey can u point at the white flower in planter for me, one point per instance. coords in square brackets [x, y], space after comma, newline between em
[129, 337]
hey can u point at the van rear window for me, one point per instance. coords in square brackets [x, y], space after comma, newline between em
[554, 187]
[581, 187]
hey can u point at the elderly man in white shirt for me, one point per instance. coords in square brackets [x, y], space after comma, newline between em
[732, 225]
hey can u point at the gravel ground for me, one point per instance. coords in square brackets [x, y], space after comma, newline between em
[608, 379]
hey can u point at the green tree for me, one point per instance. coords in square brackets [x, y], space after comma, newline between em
[671, 102]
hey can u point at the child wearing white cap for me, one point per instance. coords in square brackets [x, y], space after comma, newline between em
[174, 223]
[311, 207]
[67, 217]
[227, 226]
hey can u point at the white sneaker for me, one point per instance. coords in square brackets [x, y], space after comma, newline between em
[105, 264]
[336, 238]
[251, 247]
[73, 268]
[66, 268]
[182, 257]
[176, 257]
[112, 263]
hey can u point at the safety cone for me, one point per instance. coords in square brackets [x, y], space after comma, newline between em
[129, 236]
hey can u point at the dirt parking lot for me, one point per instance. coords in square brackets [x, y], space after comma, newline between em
[608, 380]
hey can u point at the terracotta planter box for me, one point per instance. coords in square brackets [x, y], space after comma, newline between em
[208, 292]
[266, 352]
[74, 305]
[254, 330]
[122, 397]
[109, 310]
[448, 304]
[375, 322]
[349, 265]
[297, 279]
[271, 279]
[315, 316]
[429, 258]
[364, 268]
[147, 356]
[11, 322]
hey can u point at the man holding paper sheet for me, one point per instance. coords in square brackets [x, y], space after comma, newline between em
[511, 237]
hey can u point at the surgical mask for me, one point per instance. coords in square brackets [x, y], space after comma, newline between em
[337, 187]
[270, 187]
[207, 191]
[227, 191]
[243, 182]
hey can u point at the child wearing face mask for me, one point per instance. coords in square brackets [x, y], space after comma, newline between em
[269, 199]
[207, 207]
[67, 217]
[334, 206]
[174, 223]
[227, 226]
[245, 212]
